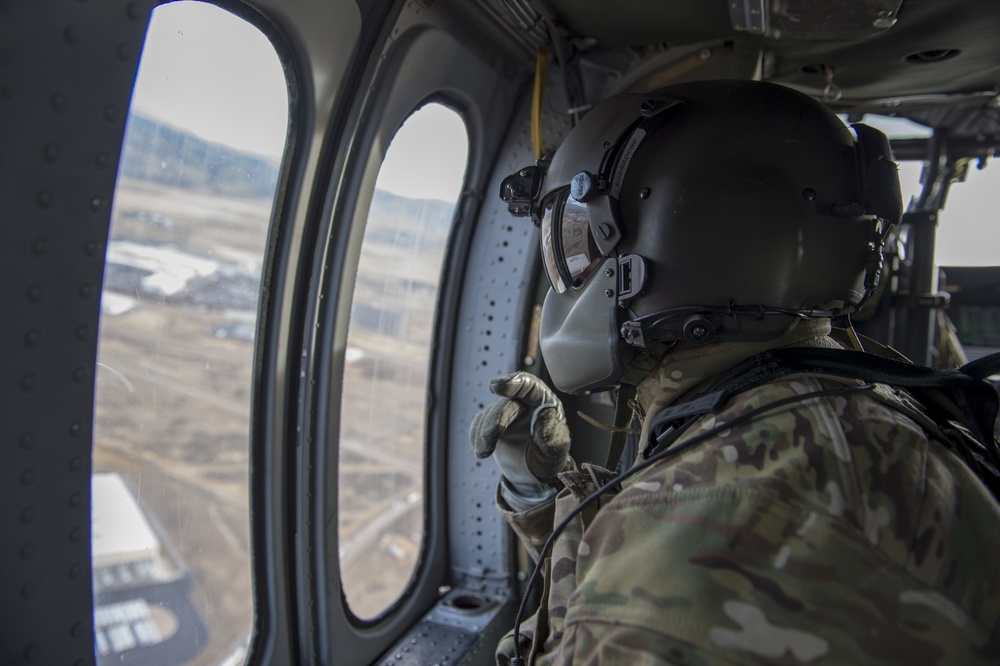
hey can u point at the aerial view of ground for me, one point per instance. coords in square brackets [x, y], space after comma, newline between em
[173, 403]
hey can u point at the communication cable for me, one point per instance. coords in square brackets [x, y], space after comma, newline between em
[541, 71]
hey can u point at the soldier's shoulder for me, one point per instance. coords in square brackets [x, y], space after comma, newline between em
[854, 456]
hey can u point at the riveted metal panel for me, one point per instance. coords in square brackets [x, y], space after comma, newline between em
[493, 320]
[66, 75]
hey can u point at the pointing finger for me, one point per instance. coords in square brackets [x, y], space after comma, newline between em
[526, 388]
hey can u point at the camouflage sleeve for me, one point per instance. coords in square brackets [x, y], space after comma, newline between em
[831, 532]
[532, 527]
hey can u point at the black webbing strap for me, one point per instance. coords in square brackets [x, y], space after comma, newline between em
[673, 420]
[982, 368]
[635, 370]
[976, 399]
[960, 395]
[623, 419]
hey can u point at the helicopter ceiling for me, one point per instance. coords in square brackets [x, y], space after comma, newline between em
[937, 63]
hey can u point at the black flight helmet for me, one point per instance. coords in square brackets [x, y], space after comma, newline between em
[702, 212]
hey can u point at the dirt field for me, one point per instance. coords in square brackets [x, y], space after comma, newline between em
[172, 417]
[172, 409]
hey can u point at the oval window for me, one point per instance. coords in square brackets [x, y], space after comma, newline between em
[390, 343]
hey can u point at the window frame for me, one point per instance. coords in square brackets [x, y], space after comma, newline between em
[341, 252]
[413, 69]
[262, 606]
[436, 360]
[318, 46]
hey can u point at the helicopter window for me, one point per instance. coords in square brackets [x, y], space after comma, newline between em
[389, 349]
[967, 234]
[896, 128]
[196, 185]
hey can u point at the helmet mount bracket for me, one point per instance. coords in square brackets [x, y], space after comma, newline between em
[520, 189]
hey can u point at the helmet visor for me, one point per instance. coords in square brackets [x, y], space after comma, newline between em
[569, 250]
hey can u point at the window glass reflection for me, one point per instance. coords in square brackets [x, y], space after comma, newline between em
[196, 182]
[389, 348]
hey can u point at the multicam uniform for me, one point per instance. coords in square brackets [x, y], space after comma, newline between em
[829, 531]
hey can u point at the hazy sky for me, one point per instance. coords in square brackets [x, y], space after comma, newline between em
[205, 71]
[428, 156]
[968, 229]
[218, 77]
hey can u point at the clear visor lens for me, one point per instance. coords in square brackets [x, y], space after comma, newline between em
[569, 251]
[549, 251]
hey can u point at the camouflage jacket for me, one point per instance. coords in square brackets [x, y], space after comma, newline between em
[837, 530]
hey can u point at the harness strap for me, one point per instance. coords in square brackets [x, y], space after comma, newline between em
[635, 370]
[960, 395]
[623, 419]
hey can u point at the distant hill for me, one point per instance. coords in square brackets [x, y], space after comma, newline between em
[158, 153]
[408, 222]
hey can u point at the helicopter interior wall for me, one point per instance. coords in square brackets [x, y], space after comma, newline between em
[317, 40]
[57, 179]
[415, 64]
[495, 277]
[58, 182]
[356, 71]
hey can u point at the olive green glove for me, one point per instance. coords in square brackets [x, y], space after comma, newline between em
[526, 433]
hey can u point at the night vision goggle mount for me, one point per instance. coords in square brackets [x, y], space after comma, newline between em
[520, 190]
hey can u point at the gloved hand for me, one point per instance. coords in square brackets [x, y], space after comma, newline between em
[526, 433]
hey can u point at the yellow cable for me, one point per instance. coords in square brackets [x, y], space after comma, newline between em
[541, 68]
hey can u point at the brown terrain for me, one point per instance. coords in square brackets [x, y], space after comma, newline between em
[173, 409]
